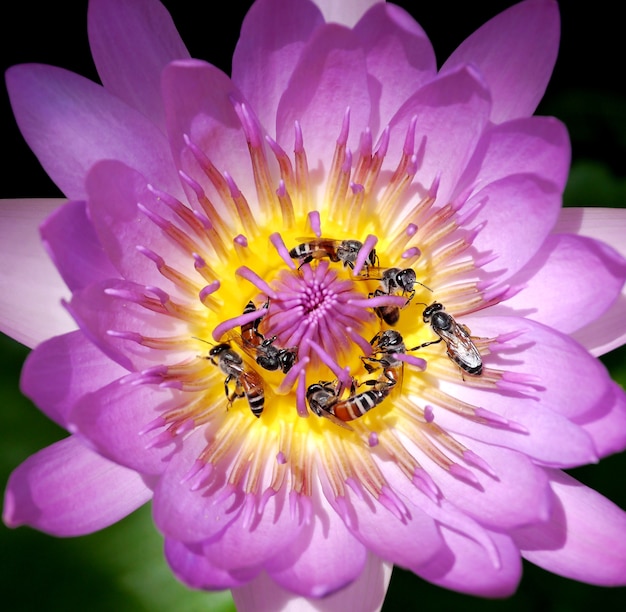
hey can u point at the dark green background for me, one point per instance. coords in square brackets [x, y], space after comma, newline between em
[122, 567]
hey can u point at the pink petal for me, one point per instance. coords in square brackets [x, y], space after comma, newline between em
[68, 490]
[584, 539]
[61, 370]
[324, 558]
[183, 508]
[532, 145]
[451, 113]
[398, 55]
[365, 594]
[112, 420]
[131, 43]
[344, 13]
[199, 104]
[588, 272]
[330, 78]
[465, 566]
[29, 284]
[71, 241]
[193, 568]
[268, 50]
[514, 214]
[516, 52]
[607, 225]
[66, 133]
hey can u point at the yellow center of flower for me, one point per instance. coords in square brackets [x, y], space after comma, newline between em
[311, 349]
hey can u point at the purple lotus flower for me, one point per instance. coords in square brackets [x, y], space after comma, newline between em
[327, 313]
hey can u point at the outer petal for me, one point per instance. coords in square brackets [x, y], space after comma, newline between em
[516, 52]
[584, 539]
[399, 58]
[68, 490]
[131, 43]
[29, 284]
[268, 50]
[61, 370]
[365, 594]
[607, 225]
[69, 237]
[466, 567]
[588, 272]
[345, 13]
[325, 558]
[193, 568]
[66, 133]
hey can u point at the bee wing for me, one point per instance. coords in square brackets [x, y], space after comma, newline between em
[461, 348]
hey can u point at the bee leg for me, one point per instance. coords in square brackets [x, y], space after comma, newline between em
[421, 346]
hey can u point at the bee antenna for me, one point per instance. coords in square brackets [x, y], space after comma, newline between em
[425, 287]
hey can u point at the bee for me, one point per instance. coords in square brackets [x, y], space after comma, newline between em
[461, 348]
[262, 349]
[248, 383]
[324, 400]
[395, 281]
[384, 345]
[345, 251]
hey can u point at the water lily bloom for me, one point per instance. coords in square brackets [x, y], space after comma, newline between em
[326, 313]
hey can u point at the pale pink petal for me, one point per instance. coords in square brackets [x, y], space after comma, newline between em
[69, 237]
[588, 272]
[466, 567]
[68, 490]
[66, 133]
[584, 539]
[365, 594]
[516, 52]
[29, 284]
[61, 370]
[608, 225]
[399, 58]
[345, 13]
[329, 79]
[268, 50]
[131, 43]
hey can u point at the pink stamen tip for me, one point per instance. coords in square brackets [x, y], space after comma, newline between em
[393, 503]
[253, 278]
[301, 396]
[157, 259]
[411, 253]
[416, 362]
[434, 188]
[290, 378]
[265, 497]
[496, 420]
[411, 230]
[208, 290]
[356, 188]
[274, 146]
[156, 219]
[232, 186]
[363, 344]
[429, 415]
[383, 143]
[365, 143]
[249, 511]
[198, 261]
[461, 473]
[278, 243]
[280, 458]
[241, 240]
[347, 162]
[412, 166]
[161, 295]
[327, 360]
[203, 219]
[368, 245]
[237, 321]
[196, 468]
[197, 188]
[473, 459]
[341, 507]
[315, 223]
[422, 480]
[372, 440]
[152, 425]
[409, 139]
[355, 486]
[125, 335]
[345, 128]
[281, 192]
[298, 146]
